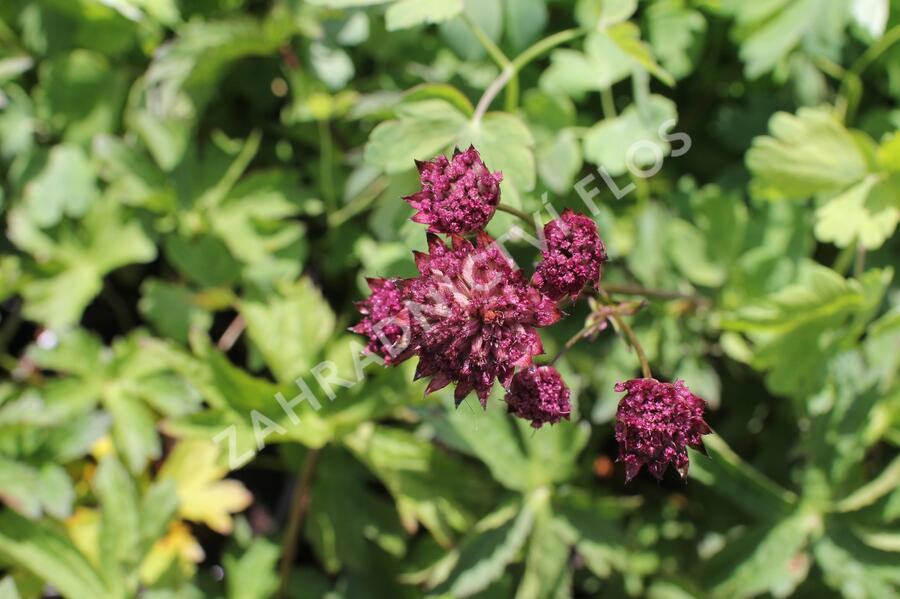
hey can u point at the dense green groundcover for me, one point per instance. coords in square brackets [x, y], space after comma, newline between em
[194, 191]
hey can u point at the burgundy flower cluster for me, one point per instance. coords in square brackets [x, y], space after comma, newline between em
[656, 423]
[458, 196]
[472, 316]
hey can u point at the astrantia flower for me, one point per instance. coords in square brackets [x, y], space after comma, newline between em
[473, 316]
[458, 195]
[385, 322]
[656, 423]
[573, 257]
[539, 394]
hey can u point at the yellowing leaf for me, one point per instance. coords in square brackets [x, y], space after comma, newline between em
[867, 212]
[203, 495]
[179, 546]
[84, 529]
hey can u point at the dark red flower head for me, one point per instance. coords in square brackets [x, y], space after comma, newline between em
[538, 393]
[573, 257]
[473, 316]
[458, 195]
[385, 321]
[656, 423]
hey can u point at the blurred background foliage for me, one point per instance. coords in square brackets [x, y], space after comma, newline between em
[194, 190]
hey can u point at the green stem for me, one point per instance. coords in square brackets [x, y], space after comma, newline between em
[627, 289]
[491, 92]
[502, 60]
[511, 70]
[859, 265]
[548, 43]
[844, 260]
[517, 213]
[633, 341]
[496, 53]
[891, 37]
[851, 85]
[299, 507]
[632, 338]
[587, 330]
[359, 203]
[512, 93]
[608, 102]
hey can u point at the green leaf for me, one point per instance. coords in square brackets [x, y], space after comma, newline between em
[591, 524]
[771, 558]
[77, 351]
[120, 520]
[485, 556]
[804, 155]
[237, 398]
[172, 309]
[627, 36]
[158, 508]
[492, 437]
[632, 139]
[559, 161]
[47, 553]
[675, 33]
[35, 491]
[75, 259]
[332, 65]
[17, 123]
[402, 14]
[843, 427]
[134, 430]
[487, 14]
[252, 574]
[13, 66]
[166, 102]
[256, 221]
[428, 485]
[552, 451]
[602, 64]
[8, 588]
[687, 248]
[883, 335]
[884, 483]
[854, 569]
[204, 259]
[347, 520]
[547, 561]
[290, 329]
[422, 130]
[591, 14]
[524, 21]
[505, 143]
[83, 94]
[726, 473]
[813, 154]
[64, 187]
[131, 173]
[808, 320]
[769, 32]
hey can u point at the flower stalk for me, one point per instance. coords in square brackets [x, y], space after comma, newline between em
[511, 68]
[629, 335]
[521, 214]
